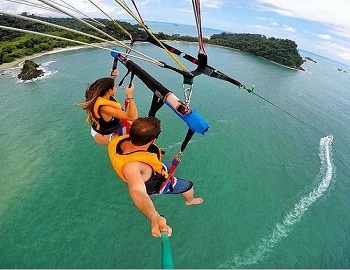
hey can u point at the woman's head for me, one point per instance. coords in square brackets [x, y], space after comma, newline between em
[99, 88]
[144, 129]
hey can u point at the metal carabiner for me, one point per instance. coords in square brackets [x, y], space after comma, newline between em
[179, 155]
[249, 90]
[187, 94]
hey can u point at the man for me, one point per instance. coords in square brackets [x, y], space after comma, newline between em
[137, 161]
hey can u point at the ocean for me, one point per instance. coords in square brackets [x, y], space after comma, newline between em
[273, 168]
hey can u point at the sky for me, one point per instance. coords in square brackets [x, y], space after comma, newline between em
[321, 27]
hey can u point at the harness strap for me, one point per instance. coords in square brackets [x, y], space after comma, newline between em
[122, 80]
[187, 139]
[177, 159]
[114, 66]
[131, 78]
[156, 104]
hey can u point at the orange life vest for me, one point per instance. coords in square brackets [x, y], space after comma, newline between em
[114, 126]
[103, 101]
[151, 157]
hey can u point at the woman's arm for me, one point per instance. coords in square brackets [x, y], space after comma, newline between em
[131, 112]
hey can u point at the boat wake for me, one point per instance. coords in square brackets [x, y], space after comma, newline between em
[256, 253]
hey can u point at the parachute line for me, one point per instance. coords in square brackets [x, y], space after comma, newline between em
[140, 22]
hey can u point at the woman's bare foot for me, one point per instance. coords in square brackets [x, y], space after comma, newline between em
[194, 201]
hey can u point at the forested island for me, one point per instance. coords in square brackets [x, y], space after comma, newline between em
[30, 70]
[15, 45]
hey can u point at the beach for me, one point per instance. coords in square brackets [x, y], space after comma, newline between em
[18, 62]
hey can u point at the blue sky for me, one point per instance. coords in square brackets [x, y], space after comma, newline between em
[318, 26]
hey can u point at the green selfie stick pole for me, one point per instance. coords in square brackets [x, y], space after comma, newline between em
[167, 258]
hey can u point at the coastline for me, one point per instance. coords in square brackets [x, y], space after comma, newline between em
[18, 62]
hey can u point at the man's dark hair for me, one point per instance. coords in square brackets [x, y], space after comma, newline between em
[144, 129]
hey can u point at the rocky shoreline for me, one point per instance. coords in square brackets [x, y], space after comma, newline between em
[30, 70]
[19, 62]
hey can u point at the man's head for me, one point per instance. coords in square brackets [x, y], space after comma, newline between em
[144, 129]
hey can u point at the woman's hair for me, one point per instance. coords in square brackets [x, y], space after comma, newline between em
[93, 91]
[144, 129]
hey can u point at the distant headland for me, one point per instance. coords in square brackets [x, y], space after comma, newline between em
[16, 45]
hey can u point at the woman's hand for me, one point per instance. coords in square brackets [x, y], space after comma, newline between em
[129, 91]
[114, 73]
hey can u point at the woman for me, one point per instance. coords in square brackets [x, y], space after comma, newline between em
[104, 112]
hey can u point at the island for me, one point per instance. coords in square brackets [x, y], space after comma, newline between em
[341, 70]
[310, 59]
[30, 71]
[15, 45]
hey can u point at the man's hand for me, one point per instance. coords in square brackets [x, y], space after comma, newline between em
[158, 225]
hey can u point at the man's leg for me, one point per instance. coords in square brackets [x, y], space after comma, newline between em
[189, 197]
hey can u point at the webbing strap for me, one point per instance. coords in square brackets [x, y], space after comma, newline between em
[177, 159]
[186, 140]
[122, 80]
[131, 79]
[197, 14]
[115, 64]
[156, 104]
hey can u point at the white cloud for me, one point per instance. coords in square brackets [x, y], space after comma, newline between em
[259, 26]
[340, 31]
[335, 12]
[324, 36]
[332, 16]
[287, 28]
[341, 51]
[264, 19]
[208, 3]
[40, 8]
[212, 3]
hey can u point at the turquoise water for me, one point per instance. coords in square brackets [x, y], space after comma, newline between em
[276, 189]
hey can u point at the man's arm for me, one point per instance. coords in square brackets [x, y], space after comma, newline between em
[138, 194]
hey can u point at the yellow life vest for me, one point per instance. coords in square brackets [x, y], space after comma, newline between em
[103, 101]
[113, 126]
[151, 157]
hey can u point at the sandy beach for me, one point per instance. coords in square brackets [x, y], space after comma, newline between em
[20, 61]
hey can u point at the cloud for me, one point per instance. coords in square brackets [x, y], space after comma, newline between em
[269, 20]
[335, 12]
[287, 28]
[212, 3]
[42, 9]
[340, 31]
[208, 3]
[259, 26]
[342, 51]
[273, 23]
[324, 36]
